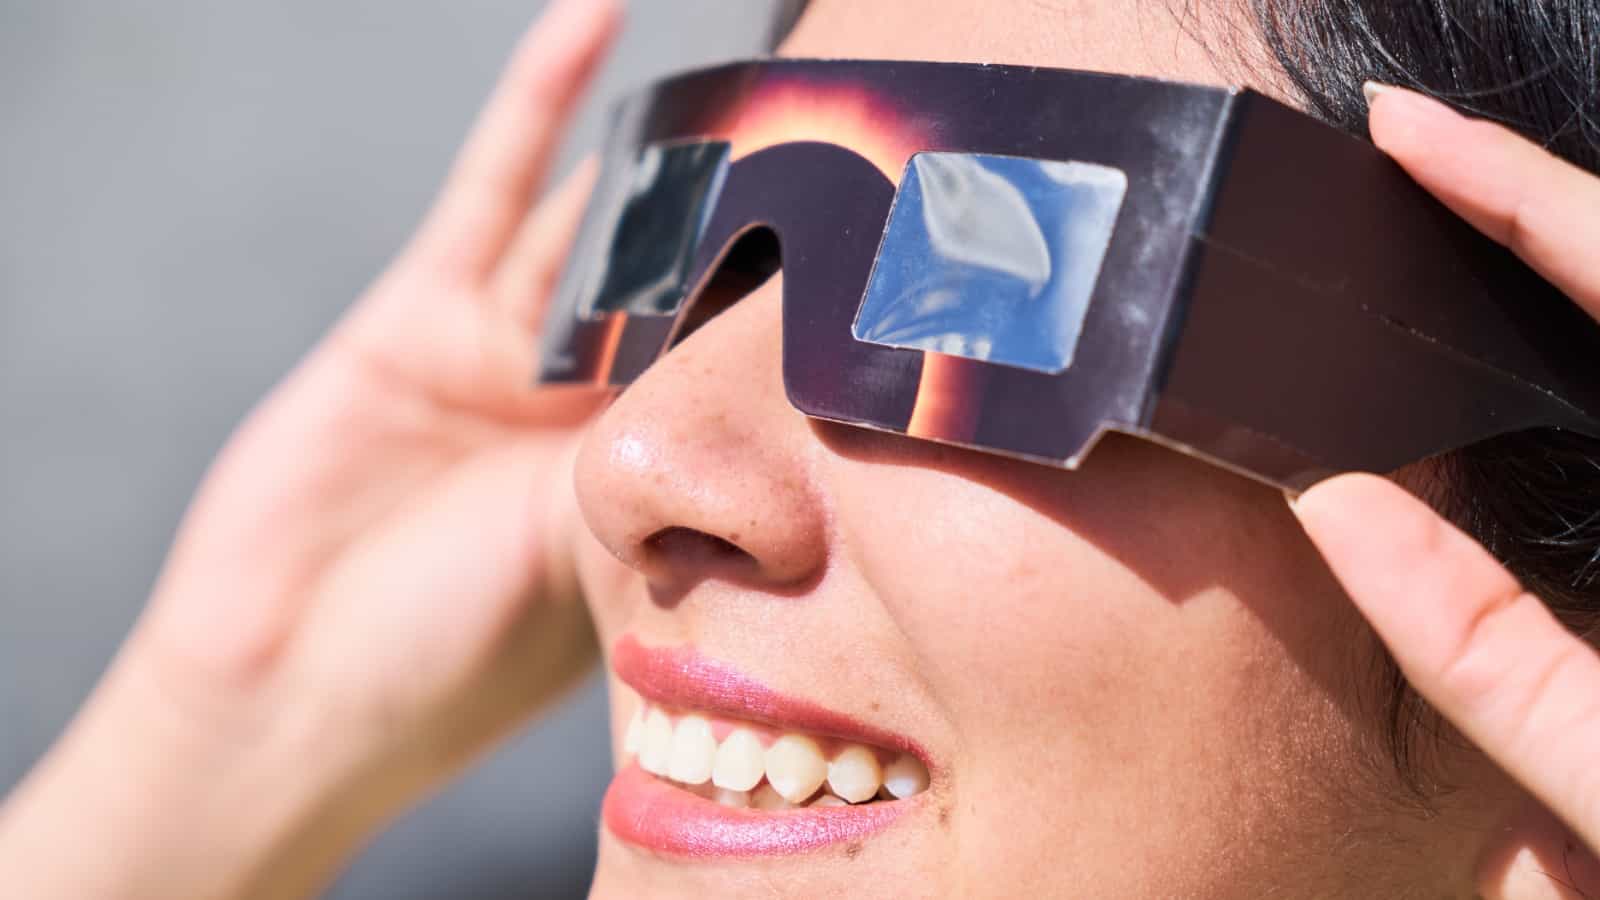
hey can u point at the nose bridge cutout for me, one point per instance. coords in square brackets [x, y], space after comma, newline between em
[752, 260]
[698, 471]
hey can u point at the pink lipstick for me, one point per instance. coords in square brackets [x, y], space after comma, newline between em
[679, 817]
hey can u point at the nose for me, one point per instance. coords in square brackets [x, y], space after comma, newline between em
[701, 468]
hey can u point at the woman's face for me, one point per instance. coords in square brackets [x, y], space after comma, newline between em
[1133, 680]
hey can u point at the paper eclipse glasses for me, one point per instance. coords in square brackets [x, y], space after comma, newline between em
[1018, 260]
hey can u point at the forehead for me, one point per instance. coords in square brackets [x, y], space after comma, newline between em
[1185, 40]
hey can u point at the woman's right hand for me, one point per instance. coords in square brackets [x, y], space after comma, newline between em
[375, 581]
[1489, 655]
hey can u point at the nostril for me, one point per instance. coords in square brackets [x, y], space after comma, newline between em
[687, 549]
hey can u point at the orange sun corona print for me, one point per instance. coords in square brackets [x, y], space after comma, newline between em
[853, 117]
[859, 120]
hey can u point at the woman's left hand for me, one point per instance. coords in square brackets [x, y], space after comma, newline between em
[376, 582]
[1486, 653]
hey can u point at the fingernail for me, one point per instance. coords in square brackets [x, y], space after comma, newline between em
[1409, 121]
[1410, 104]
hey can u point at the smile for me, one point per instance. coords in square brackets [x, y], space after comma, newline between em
[742, 765]
[717, 765]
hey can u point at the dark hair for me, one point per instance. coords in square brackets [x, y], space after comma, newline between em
[1534, 65]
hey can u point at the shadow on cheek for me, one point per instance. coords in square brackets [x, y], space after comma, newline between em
[1183, 527]
[1180, 525]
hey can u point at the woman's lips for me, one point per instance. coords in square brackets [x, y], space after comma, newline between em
[680, 677]
[651, 812]
[648, 812]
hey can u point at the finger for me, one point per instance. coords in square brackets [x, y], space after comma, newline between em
[1487, 654]
[1542, 207]
[505, 160]
[527, 275]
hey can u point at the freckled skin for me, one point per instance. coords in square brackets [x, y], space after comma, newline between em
[1135, 680]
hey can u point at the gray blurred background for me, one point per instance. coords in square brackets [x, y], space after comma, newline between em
[190, 192]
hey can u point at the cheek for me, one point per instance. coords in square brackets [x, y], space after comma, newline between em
[1118, 645]
[1036, 636]
[1082, 591]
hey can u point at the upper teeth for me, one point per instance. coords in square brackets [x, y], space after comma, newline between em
[693, 748]
[655, 748]
[741, 762]
[855, 774]
[794, 767]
